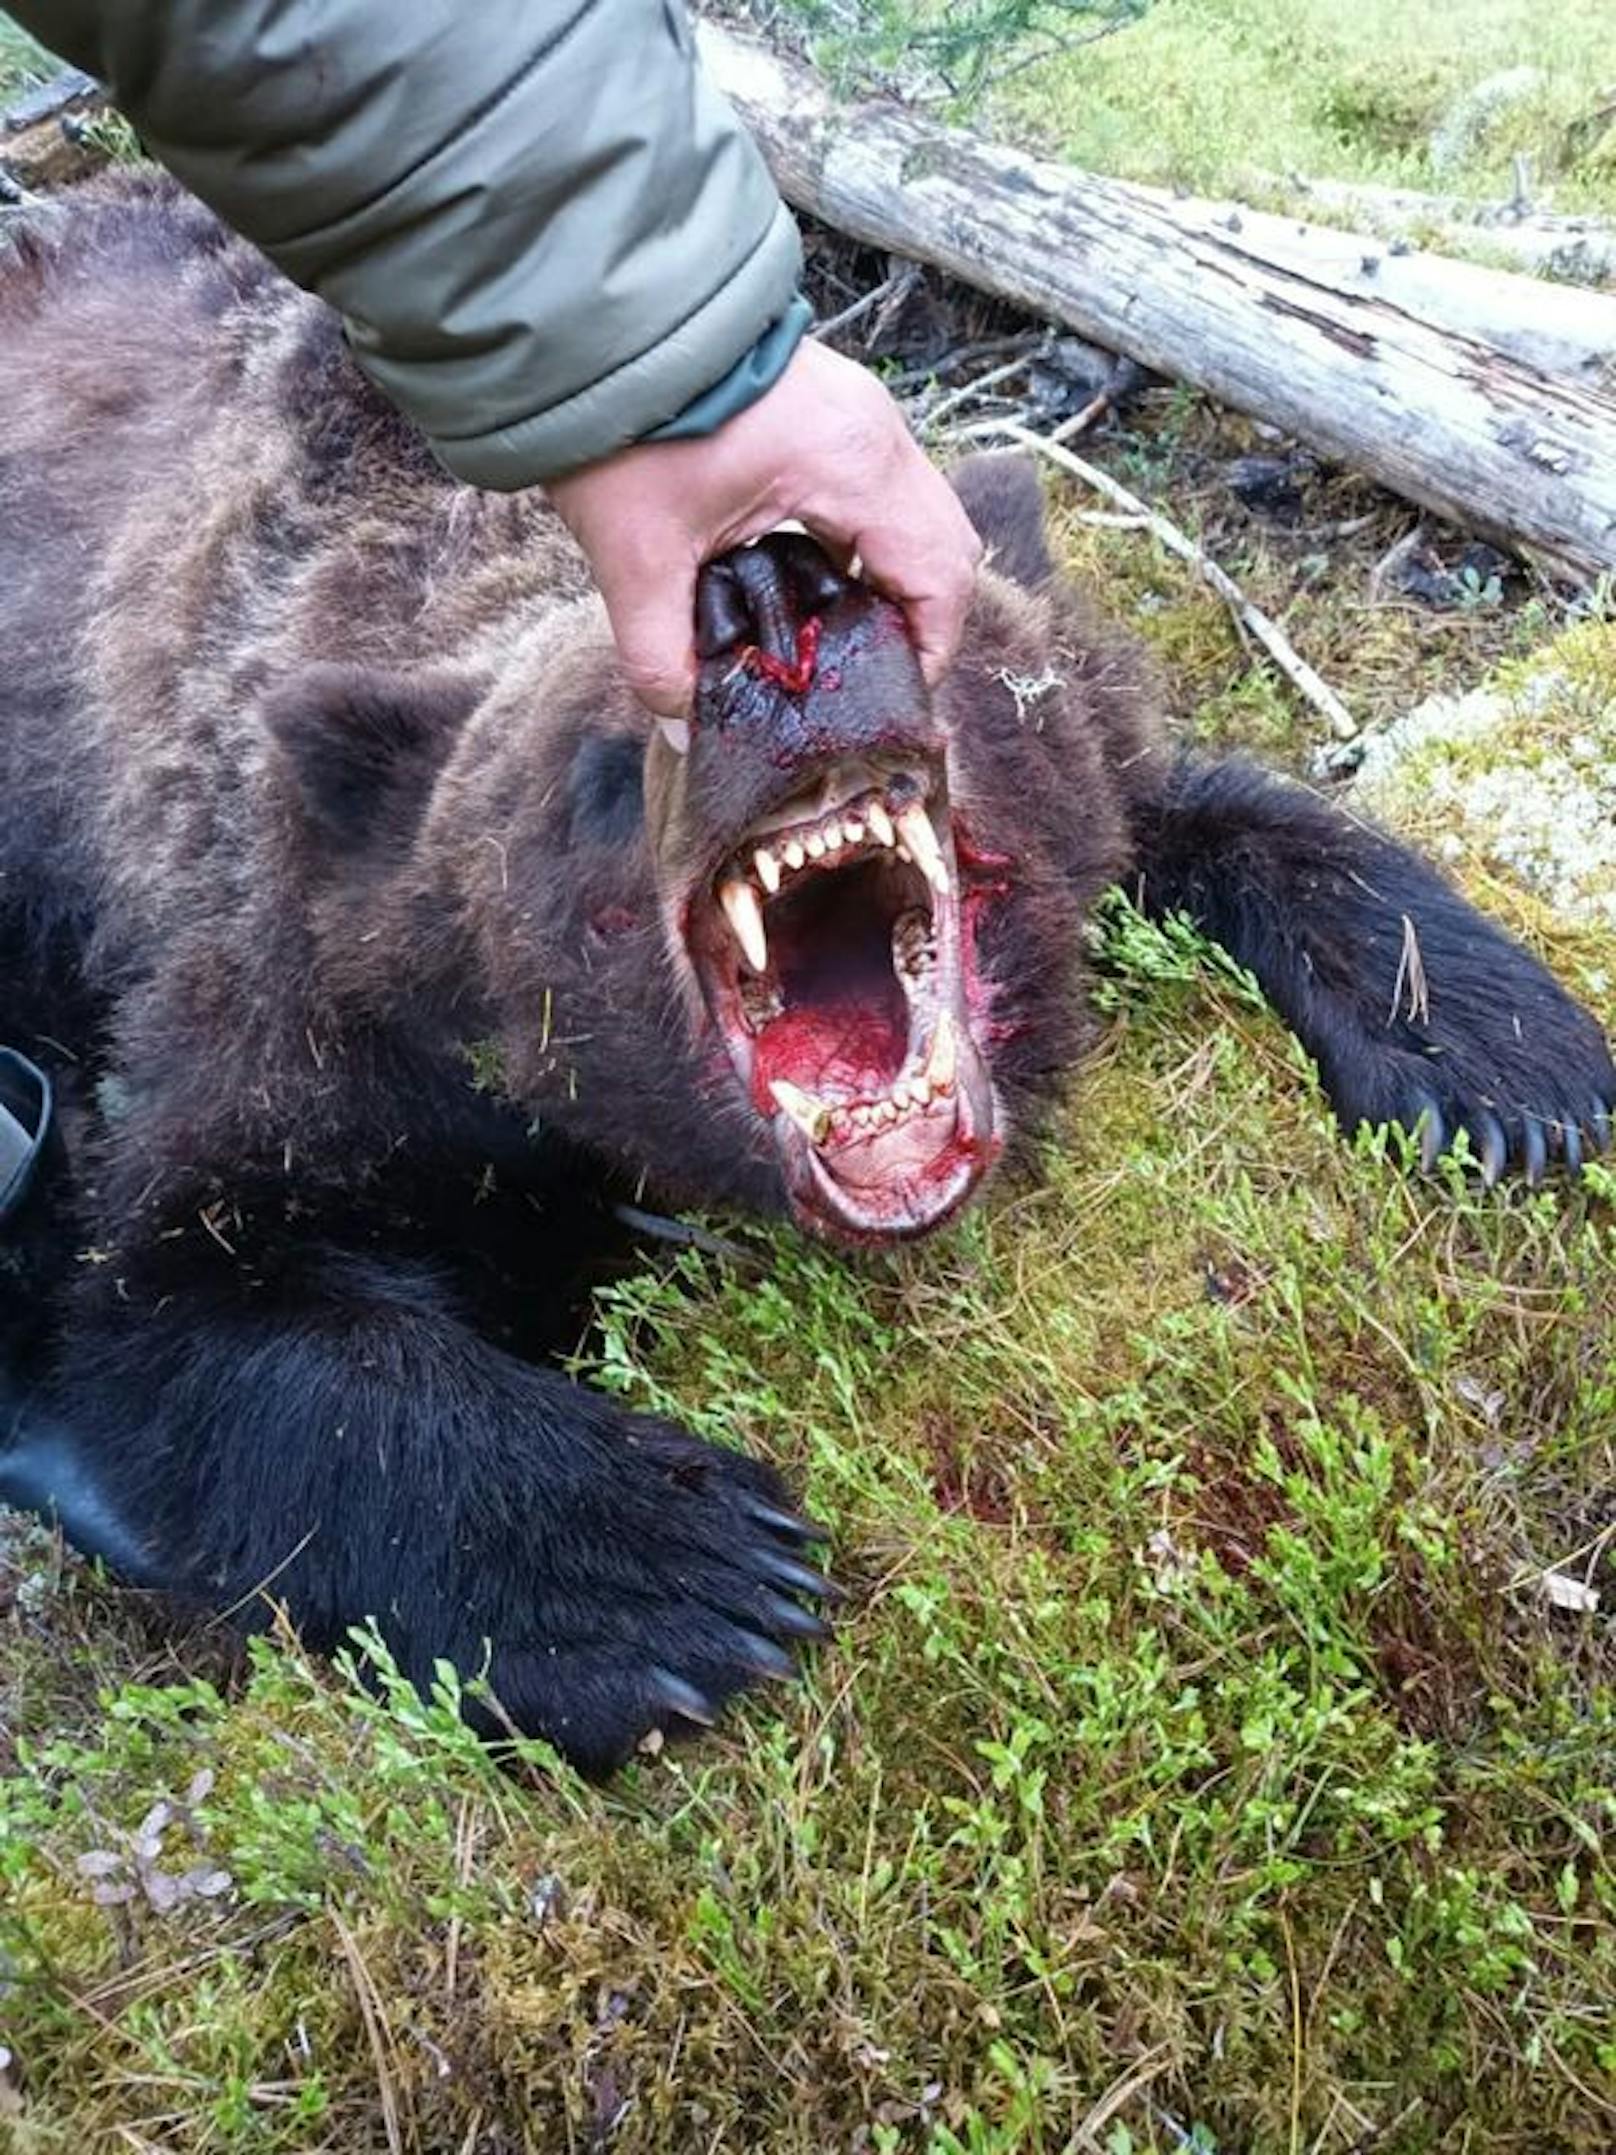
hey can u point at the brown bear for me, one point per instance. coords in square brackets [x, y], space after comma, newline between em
[377, 945]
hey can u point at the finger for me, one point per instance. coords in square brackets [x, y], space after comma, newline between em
[933, 584]
[653, 629]
[935, 629]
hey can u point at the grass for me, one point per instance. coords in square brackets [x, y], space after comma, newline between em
[22, 63]
[1200, 92]
[1202, 1762]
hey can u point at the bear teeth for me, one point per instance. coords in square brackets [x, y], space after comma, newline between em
[846, 1120]
[745, 916]
[921, 841]
[869, 821]
[914, 948]
[812, 1117]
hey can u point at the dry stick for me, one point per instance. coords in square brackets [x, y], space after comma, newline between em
[901, 279]
[975, 388]
[1110, 520]
[1082, 421]
[370, 2011]
[1296, 670]
[963, 355]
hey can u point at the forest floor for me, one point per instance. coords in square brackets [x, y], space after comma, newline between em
[1218, 1749]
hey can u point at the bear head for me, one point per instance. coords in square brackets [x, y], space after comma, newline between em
[818, 946]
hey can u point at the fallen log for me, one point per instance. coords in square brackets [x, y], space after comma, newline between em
[1487, 398]
[1580, 249]
[45, 138]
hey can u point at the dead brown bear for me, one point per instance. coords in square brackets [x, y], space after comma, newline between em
[374, 953]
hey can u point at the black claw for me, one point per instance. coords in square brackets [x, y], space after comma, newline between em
[790, 1523]
[1599, 1126]
[673, 1695]
[800, 1578]
[1432, 1132]
[1534, 1150]
[766, 1659]
[1571, 1146]
[1490, 1145]
[792, 1620]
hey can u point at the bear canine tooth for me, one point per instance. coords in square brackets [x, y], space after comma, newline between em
[941, 1057]
[880, 823]
[768, 869]
[745, 916]
[811, 1116]
[921, 840]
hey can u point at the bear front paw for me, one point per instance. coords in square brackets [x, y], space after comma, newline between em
[1519, 1067]
[670, 1583]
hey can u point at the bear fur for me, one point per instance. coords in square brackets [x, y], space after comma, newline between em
[346, 902]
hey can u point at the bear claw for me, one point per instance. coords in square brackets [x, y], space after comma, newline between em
[764, 1658]
[798, 1578]
[792, 1620]
[675, 1696]
[795, 1525]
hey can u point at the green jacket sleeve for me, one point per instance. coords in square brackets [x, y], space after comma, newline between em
[547, 233]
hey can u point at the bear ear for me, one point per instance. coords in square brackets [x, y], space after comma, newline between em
[363, 745]
[1002, 497]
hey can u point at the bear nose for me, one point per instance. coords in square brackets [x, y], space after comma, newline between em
[762, 595]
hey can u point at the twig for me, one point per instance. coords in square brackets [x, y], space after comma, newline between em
[1080, 422]
[1296, 670]
[683, 1234]
[899, 284]
[976, 387]
[1389, 568]
[1024, 340]
[1111, 520]
[1120, 2094]
[370, 2011]
[1125, 378]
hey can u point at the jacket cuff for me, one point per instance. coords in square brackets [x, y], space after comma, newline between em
[751, 377]
[646, 392]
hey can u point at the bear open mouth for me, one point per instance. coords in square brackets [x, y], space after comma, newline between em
[829, 946]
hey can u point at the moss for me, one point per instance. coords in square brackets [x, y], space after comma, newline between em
[1518, 779]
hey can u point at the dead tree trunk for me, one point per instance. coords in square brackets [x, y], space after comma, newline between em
[1580, 249]
[43, 142]
[1488, 398]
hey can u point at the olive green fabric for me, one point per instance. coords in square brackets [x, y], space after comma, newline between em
[548, 235]
[745, 382]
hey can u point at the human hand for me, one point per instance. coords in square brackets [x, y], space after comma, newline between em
[826, 446]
